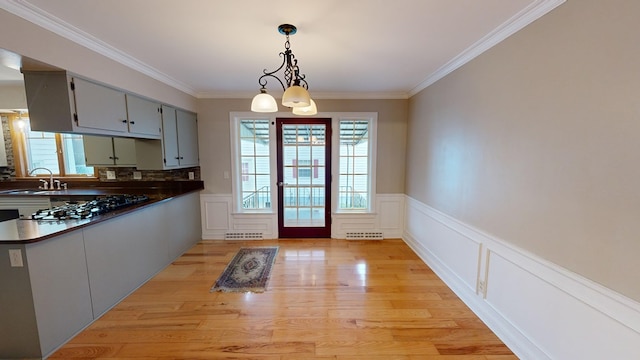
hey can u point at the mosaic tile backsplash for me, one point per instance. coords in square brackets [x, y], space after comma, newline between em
[8, 173]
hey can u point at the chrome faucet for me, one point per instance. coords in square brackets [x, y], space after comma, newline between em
[46, 184]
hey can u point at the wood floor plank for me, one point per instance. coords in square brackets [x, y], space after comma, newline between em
[326, 299]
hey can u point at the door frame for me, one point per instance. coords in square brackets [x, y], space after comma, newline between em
[304, 232]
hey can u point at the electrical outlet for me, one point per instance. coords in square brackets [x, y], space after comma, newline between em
[15, 257]
[192, 175]
[137, 175]
[111, 175]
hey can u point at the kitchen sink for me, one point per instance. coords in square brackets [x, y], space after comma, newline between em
[22, 192]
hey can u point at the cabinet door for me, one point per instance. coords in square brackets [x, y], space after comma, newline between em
[187, 138]
[170, 137]
[100, 107]
[144, 117]
[60, 287]
[124, 151]
[98, 150]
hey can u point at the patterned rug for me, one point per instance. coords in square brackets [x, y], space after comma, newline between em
[248, 271]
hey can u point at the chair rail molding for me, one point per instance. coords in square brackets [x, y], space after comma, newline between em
[539, 309]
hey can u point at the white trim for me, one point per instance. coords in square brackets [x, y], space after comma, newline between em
[316, 95]
[528, 15]
[372, 119]
[62, 28]
[215, 212]
[335, 117]
[539, 309]
[236, 187]
[218, 219]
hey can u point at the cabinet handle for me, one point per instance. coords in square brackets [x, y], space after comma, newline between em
[124, 121]
[116, 158]
[177, 158]
[111, 157]
[132, 122]
[181, 158]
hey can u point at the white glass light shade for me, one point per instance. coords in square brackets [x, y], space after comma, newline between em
[296, 96]
[306, 110]
[264, 103]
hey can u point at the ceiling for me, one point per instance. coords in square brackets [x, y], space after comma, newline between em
[348, 48]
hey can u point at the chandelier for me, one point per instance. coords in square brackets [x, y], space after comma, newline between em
[294, 85]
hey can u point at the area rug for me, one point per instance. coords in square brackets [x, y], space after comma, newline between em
[248, 271]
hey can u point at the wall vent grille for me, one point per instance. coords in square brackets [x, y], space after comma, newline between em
[243, 236]
[364, 235]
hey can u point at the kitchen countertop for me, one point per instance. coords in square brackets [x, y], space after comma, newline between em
[160, 188]
[21, 231]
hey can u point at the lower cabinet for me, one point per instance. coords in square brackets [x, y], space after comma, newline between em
[70, 280]
[61, 296]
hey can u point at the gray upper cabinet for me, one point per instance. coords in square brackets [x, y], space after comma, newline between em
[144, 117]
[108, 151]
[187, 138]
[178, 147]
[62, 102]
[170, 138]
[99, 107]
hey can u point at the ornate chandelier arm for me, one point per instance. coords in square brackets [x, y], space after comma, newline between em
[289, 64]
[262, 80]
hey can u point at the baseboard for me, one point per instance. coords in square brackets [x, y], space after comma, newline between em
[539, 309]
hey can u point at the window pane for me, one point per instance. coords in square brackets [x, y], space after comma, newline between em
[41, 150]
[73, 155]
[354, 164]
[254, 164]
[46, 150]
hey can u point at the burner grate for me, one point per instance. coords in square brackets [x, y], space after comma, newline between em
[86, 210]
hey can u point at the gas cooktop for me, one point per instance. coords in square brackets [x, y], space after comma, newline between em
[85, 210]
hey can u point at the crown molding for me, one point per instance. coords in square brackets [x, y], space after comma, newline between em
[534, 11]
[60, 27]
[316, 95]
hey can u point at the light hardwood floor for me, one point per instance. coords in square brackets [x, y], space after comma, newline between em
[327, 299]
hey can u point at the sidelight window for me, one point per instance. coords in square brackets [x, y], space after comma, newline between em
[253, 157]
[355, 164]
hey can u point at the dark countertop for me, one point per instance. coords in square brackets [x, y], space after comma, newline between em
[21, 231]
[160, 188]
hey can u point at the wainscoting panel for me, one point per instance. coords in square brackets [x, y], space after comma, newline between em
[219, 222]
[459, 253]
[216, 215]
[390, 209]
[349, 223]
[540, 310]
[267, 224]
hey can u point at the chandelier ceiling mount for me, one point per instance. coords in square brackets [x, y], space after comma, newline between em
[296, 94]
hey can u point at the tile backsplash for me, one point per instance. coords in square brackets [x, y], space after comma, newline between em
[127, 174]
[8, 173]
